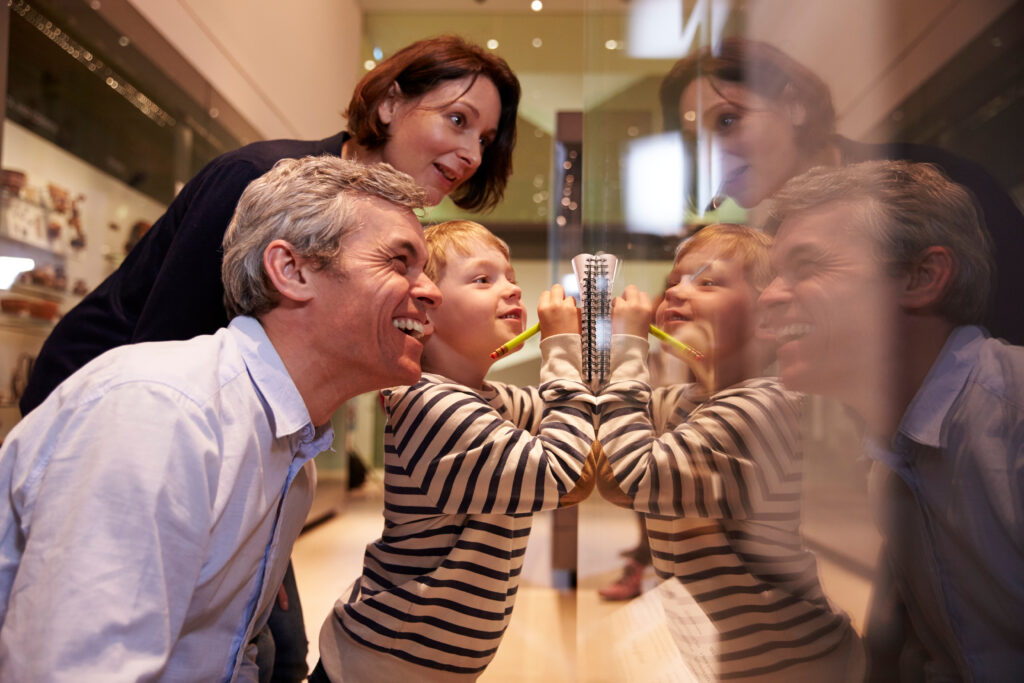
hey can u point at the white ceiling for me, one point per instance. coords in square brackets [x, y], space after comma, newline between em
[872, 53]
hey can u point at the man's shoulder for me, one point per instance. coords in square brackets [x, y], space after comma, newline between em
[999, 370]
[194, 369]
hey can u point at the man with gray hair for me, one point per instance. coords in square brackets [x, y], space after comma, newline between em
[883, 270]
[154, 497]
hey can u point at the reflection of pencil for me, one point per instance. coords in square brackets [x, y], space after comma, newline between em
[666, 337]
[515, 341]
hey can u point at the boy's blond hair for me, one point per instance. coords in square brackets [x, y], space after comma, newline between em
[458, 237]
[732, 240]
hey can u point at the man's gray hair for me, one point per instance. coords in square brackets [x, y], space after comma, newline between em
[906, 207]
[309, 203]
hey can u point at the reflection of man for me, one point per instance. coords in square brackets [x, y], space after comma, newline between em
[882, 269]
[154, 497]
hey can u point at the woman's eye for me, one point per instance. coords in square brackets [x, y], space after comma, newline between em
[726, 121]
[457, 119]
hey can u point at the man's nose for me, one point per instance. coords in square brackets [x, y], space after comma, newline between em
[774, 294]
[426, 292]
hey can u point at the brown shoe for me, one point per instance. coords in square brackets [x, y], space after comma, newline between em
[627, 586]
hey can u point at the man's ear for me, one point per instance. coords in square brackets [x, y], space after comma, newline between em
[388, 108]
[928, 278]
[288, 271]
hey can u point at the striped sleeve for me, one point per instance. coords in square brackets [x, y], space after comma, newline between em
[735, 456]
[450, 451]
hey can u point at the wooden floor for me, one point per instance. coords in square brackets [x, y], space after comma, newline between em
[558, 634]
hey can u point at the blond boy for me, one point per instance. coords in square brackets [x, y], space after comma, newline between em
[715, 466]
[467, 463]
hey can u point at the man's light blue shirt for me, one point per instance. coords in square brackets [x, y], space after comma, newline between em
[152, 503]
[950, 490]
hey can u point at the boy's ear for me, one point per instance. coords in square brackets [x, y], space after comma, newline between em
[388, 107]
[288, 271]
[928, 278]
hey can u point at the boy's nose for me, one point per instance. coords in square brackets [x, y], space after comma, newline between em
[680, 291]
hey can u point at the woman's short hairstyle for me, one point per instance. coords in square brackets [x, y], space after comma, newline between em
[764, 70]
[730, 240]
[418, 69]
[311, 203]
[905, 208]
[457, 237]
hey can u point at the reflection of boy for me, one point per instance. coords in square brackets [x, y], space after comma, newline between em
[717, 470]
[467, 462]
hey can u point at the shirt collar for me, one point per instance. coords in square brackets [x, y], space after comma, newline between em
[287, 410]
[922, 421]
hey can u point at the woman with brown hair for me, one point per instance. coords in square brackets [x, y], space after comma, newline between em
[442, 110]
[770, 119]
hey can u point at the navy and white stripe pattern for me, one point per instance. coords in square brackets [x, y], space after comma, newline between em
[720, 480]
[465, 470]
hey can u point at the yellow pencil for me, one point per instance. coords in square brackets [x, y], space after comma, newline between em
[666, 337]
[515, 341]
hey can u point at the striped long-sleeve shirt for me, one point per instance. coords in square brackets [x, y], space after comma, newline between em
[719, 478]
[465, 470]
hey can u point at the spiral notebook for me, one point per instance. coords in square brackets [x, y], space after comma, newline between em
[596, 276]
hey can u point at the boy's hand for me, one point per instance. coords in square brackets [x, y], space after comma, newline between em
[632, 312]
[557, 313]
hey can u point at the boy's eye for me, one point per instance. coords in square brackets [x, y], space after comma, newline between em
[481, 279]
[706, 282]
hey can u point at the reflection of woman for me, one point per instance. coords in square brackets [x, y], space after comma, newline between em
[771, 119]
[442, 110]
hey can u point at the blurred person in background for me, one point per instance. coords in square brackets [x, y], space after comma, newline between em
[770, 118]
[883, 271]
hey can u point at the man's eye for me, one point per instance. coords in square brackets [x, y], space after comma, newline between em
[400, 264]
